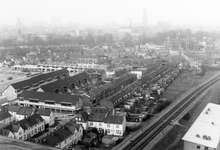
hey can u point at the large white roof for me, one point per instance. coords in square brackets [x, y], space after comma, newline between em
[206, 129]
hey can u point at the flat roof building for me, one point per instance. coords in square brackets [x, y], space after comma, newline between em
[204, 134]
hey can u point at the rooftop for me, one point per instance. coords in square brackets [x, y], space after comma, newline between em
[4, 115]
[13, 108]
[58, 136]
[114, 119]
[57, 98]
[97, 117]
[26, 111]
[43, 112]
[36, 79]
[66, 82]
[206, 129]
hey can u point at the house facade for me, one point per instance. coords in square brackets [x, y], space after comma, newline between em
[5, 117]
[26, 128]
[47, 115]
[52, 101]
[110, 124]
[64, 137]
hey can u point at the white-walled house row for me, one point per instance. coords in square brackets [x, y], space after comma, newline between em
[53, 101]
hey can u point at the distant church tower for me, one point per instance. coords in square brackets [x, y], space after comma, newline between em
[144, 21]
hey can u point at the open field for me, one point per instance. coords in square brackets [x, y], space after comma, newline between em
[7, 72]
[179, 131]
[183, 83]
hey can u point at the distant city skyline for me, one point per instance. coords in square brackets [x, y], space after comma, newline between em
[100, 12]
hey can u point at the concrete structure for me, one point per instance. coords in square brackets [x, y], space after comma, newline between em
[204, 134]
[52, 101]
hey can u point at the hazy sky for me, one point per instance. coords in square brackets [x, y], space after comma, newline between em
[204, 12]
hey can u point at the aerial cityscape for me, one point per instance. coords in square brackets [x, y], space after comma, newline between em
[109, 75]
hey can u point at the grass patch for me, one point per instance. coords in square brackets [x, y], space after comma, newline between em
[171, 138]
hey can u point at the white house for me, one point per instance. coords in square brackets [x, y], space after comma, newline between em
[13, 131]
[24, 112]
[111, 124]
[140, 72]
[5, 117]
[115, 125]
[47, 115]
[96, 120]
[204, 134]
[65, 136]
[13, 109]
[82, 118]
[26, 128]
[77, 131]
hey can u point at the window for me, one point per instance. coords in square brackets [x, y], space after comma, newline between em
[108, 125]
[91, 123]
[198, 147]
[117, 126]
[20, 132]
[108, 130]
[100, 124]
[118, 131]
[206, 148]
[35, 130]
[65, 141]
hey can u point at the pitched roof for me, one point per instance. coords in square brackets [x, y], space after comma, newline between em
[66, 82]
[114, 119]
[26, 111]
[102, 88]
[84, 116]
[36, 79]
[103, 110]
[72, 126]
[43, 112]
[13, 108]
[30, 121]
[57, 137]
[57, 98]
[4, 115]
[97, 117]
[12, 127]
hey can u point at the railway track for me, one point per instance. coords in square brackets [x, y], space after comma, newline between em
[142, 140]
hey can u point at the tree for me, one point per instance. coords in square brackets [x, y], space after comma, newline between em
[100, 39]
[90, 40]
[128, 40]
